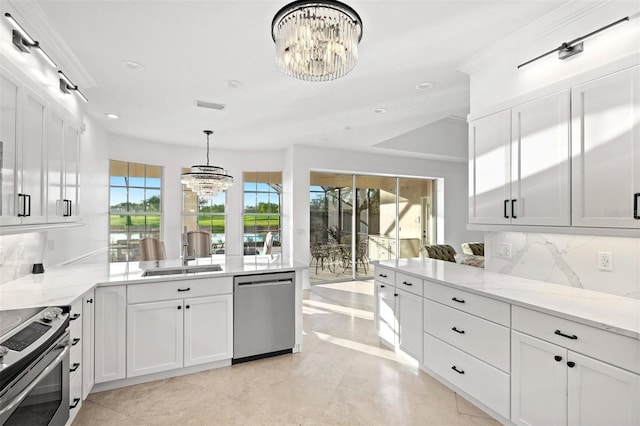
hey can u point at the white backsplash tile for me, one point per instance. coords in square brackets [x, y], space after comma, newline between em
[33, 246]
[569, 260]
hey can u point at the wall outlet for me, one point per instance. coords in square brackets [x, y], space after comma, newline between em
[502, 250]
[605, 261]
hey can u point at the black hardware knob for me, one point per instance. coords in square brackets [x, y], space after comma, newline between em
[381, 286]
[76, 365]
[179, 307]
[560, 333]
[454, 368]
[458, 331]
[75, 403]
[557, 358]
[90, 301]
[571, 364]
[187, 307]
[395, 294]
[75, 341]
[457, 300]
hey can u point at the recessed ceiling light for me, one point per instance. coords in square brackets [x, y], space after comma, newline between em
[132, 65]
[234, 84]
[425, 85]
[112, 115]
[348, 127]
[380, 110]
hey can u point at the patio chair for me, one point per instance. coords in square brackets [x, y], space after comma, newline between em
[319, 253]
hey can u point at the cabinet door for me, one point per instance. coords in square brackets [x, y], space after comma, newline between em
[601, 394]
[88, 354]
[208, 329]
[386, 313]
[71, 152]
[489, 168]
[409, 312]
[538, 382]
[154, 337]
[110, 325]
[606, 151]
[31, 164]
[55, 140]
[9, 128]
[540, 162]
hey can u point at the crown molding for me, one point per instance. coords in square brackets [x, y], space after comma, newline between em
[32, 16]
[538, 29]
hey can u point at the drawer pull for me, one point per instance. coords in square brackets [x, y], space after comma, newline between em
[90, 301]
[560, 333]
[382, 275]
[456, 370]
[76, 365]
[557, 358]
[381, 286]
[179, 307]
[184, 289]
[75, 341]
[75, 403]
[455, 299]
[187, 307]
[458, 331]
[74, 317]
[571, 364]
[406, 283]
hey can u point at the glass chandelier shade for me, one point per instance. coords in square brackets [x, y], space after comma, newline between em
[316, 40]
[207, 181]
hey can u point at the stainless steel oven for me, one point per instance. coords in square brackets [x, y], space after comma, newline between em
[34, 366]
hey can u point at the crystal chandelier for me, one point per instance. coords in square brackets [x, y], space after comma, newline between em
[316, 40]
[207, 181]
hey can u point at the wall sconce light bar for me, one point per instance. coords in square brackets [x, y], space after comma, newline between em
[24, 42]
[66, 86]
[573, 47]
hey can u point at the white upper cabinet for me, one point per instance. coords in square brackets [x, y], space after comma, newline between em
[489, 169]
[606, 151]
[540, 162]
[9, 93]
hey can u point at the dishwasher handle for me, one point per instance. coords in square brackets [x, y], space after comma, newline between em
[265, 283]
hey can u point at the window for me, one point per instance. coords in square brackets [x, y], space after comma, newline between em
[135, 208]
[262, 211]
[199, 214]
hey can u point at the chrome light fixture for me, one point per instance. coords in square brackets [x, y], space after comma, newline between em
[207, 181]
[66, 86]
[24, 42]
[316, 40]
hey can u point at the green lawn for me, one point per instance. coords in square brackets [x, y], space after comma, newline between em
[215, 223]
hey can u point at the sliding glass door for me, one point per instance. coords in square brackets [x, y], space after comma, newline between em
[393, 218]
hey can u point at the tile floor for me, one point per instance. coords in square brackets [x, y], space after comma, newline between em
[343, 376]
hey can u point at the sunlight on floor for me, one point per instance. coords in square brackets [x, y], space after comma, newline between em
[322, 307]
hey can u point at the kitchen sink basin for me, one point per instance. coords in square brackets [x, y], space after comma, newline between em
[181, 270]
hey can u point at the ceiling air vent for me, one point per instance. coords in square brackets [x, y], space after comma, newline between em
[210, 105]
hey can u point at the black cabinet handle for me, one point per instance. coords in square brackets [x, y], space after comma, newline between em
[571, 364]
[457, 300]
[90, 301]
[395, 294]
[76, 365]
[75, 341]
[28, 197]
[179, 307]
[557, 358]
[382, 275]
[74, 317]
[458, 331]
[187, 307]
[406, 283]
[26, 206]
[75, 403]
[184, 289]
[456, 370]
[381, 285]
[506, 216]
[70, 208]
[560, 333]
[65, 209]
[636, 213]
[513, 205]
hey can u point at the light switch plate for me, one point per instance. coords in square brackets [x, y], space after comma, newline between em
[502, 250]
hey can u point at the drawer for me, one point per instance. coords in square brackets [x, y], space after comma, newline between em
[75, 396]
[483, 382]
[75, 319]
[152, 292]
[75, 361]
[483, 339]
[385, 275]
[485, 307]
[604, 345]
[409, 283]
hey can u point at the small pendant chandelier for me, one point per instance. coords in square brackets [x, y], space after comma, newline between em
[316, 40]
[207, 181]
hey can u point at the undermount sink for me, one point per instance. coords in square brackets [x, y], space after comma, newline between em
[181, 270]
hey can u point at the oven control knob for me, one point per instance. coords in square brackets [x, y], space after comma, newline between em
[3, 351]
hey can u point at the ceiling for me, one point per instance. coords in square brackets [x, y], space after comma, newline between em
[191, 49]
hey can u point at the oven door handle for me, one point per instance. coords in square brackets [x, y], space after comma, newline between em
[22, 395]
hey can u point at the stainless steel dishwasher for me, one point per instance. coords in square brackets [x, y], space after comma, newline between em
[263, 315]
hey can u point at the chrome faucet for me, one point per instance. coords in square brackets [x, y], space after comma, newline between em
[185, 249]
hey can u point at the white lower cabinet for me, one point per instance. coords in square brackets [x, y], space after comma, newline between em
[110, 326]
[202, 342]
[385, 313]
[409, 314]
[88, 343]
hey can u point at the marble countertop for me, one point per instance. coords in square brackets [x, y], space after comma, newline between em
[62, 285]
[614, 313]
